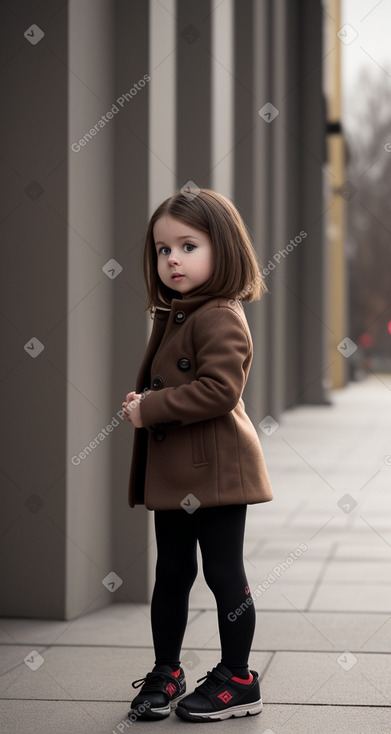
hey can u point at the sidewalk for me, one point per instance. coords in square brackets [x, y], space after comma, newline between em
[319, 557]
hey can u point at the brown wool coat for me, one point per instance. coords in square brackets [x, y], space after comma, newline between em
[197, 438]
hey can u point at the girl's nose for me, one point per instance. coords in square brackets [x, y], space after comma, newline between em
[173, 258]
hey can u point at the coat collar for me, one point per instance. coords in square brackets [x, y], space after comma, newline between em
[187, 305]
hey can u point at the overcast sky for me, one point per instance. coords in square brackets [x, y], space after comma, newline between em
[371, 20]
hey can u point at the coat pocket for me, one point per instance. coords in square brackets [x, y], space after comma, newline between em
[197, 444]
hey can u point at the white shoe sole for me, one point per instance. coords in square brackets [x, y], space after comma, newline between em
[166, 710]
[162, 712]
[235, 711]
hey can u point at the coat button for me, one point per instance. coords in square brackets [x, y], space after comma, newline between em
[179, 317]
[157, 383]
[184, 363]
[159, 435]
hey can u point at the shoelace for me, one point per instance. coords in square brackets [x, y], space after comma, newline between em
[213, 678]
[154, 680]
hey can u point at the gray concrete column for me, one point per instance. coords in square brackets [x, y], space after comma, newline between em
[254, 161]
[89, 309]
[132, 529]
[247, 190]
[58, 309]
[291, 123]
[280, 191]
[313, 367]
[193, 92]
[34, 308]
[222, 109]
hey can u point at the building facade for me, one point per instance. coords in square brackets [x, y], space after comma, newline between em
[118, 106]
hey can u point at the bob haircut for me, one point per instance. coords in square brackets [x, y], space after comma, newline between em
[237, 270]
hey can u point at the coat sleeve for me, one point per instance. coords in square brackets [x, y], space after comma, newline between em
[224, 351]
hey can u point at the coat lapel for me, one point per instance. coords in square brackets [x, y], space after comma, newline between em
[161, 331]
[158, 329]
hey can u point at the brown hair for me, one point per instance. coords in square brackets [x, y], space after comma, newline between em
[237, 270]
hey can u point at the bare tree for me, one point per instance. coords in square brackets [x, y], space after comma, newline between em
[368, 147]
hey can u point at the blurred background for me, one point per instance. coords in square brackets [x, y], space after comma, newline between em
[109, 108]
[366, 115]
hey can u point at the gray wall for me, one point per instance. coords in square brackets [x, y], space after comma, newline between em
[34, 293]
[64, 527]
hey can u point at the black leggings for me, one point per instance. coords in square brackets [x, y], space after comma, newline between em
[220, 532]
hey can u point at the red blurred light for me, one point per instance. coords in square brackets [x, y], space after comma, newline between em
[366, 340]
[389, 327]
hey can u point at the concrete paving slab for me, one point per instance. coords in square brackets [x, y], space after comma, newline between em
[338, 597]
[97, 673]
[117, 624]
[307, 677]
[319, 546]
[281, 595]
[277, 596]
[43, 631]
[319, 631]
[291, 543]
[63, 717]
[361, 552]
[13, 655]
[284, 568]
[291, 630]
[330, 719]
[77, 673]
[366, 572]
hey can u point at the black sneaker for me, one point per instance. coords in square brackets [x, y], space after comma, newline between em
[161, 690]
[221, 696]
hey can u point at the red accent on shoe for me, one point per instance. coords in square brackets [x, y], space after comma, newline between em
[225, 696]
[170, 688]
[246, 681]
[176, 673]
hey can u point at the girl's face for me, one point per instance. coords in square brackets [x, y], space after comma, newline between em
[184, 254]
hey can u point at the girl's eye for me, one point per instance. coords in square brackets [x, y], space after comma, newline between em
[166, 250]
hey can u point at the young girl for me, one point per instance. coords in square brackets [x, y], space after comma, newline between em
[197, 461]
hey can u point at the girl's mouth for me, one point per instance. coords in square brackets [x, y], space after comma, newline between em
[177, 277]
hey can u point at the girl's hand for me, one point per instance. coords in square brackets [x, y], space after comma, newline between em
[132, 413]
